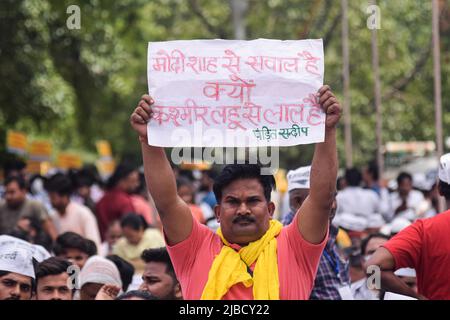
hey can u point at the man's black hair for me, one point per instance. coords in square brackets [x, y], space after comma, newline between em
[141, 188]
[444, 189]
[20, 234]
[353, 177]
[134, 221]
[233, 172]
[159, 255]
[82, 179]
[72, 240]
[126, 270]
[372, 169]
[366, 240]
[13, 164]
[40, 237]
[402, 176]
[122, 171]
[59, 183]
[145, 295]
[91, 247]
[52, 267]
[212, 173]
[18, 179]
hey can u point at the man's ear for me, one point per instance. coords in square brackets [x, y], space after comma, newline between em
[178, 292]
[217, 212]
[271, 207]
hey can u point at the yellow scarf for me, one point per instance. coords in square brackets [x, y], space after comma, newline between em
[230, 267]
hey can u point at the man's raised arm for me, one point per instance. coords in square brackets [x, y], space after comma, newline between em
[173, 211]
[313, 215]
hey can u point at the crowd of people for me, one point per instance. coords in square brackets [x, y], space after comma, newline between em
[160, 232]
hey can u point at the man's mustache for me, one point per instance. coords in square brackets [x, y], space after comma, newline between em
[239, 219]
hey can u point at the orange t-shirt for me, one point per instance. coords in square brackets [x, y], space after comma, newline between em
[197, 213]
[298, 261]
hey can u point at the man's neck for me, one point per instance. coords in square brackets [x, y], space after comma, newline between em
[62, 210]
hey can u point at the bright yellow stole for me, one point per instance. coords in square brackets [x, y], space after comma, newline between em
[230, 267]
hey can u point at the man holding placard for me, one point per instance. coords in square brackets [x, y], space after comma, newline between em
[252, 256]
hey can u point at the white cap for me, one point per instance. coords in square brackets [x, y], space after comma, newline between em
[299, 178]
[100, 270]
[351, 222]
[405, 272]
[396, 225]
[17, 255]
[444, 168]
[421, 182]
[375, 221]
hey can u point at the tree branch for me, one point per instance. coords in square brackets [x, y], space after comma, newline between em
[307, 28]
[323, 17]
[329, 33]
[212, 29]
[402, 83]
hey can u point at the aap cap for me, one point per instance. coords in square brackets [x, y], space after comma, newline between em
[299, 178]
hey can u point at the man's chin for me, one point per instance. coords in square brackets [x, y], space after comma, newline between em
[243, 234]
[13, 206]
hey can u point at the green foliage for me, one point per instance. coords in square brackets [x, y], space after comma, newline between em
[77, 86]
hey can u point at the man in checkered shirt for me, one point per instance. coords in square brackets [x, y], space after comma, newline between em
[332, 280]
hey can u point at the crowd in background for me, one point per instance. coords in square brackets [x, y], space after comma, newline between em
[109, 231]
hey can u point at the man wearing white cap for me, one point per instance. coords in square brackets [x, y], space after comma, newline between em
[298, 190]
[96, 273]
[332, 280]
[17, 268]
[424, 246]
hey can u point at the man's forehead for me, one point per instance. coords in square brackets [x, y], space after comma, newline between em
[248, 185]
[375, 242]
[74, 252]
[54, 279]
[155, 268]
[13, 185]
[17, 277]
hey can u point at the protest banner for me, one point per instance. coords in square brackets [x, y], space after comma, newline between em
[232, 93]
[106, 167]
[16, 142]
[104, 149]
[69, 161]
[40, 150]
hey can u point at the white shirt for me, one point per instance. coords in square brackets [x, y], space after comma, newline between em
[361, 292]
[413, 202]
[361, 203]
[78, 219]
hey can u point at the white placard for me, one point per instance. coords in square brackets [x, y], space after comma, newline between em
[232, 93]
